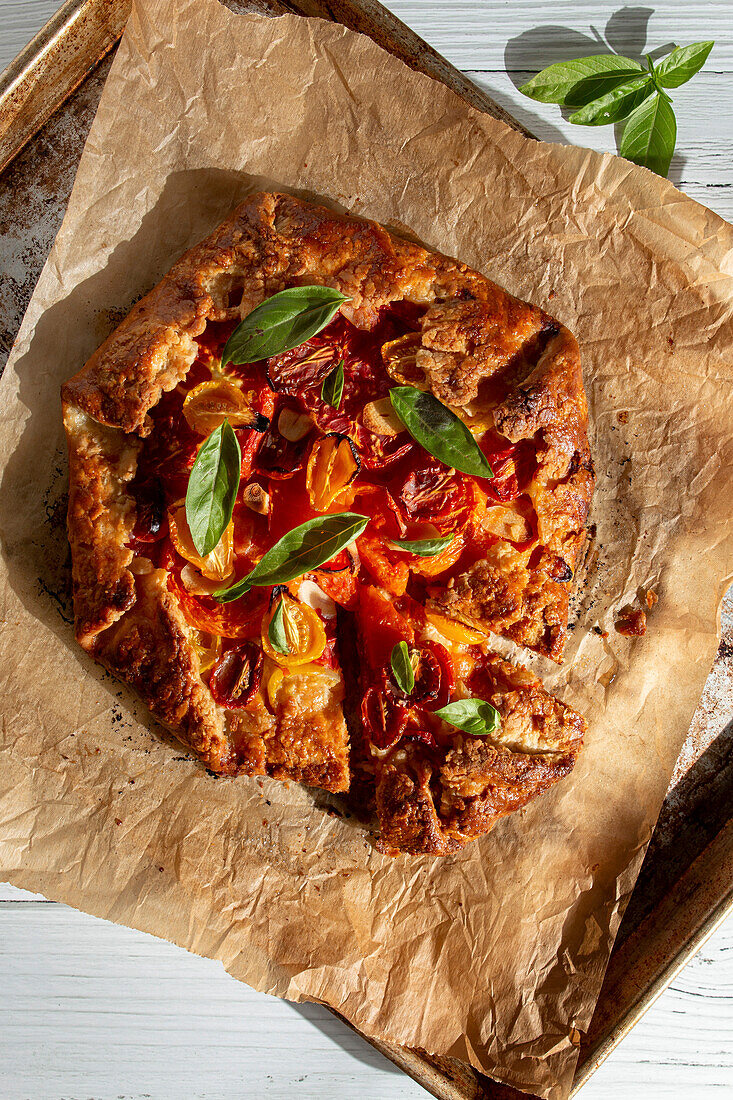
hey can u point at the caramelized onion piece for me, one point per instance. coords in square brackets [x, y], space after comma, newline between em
[293, 425]
[236, 676]
[333, 463]
[256, 498]
[379, 418]
[211, 403]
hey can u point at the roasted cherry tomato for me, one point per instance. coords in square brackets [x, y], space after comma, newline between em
[208, 649]
[430, 494]
[210, 403]
[305, 635]
[280, 458]
[305, 366]
[377, 502]
[216, 566]
[341, 586]
[455, 631]
[512, 465]
[151, 521]
[384, 716]
[382, 627]
[388, 569]
[424, 737]
[333, 463]
[239, 619]
[435, 678]
[432, 567]
[383, 452]
[235, 678]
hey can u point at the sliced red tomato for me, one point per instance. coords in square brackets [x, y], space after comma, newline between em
[289, 506]
[435, 678]
[239, 619]
[430, 494]
[384, 716]
[340, 586]
[236, 677]
[377, 502]
[383, 452]
[151, 521]
[424, 737]
[512, 465]
[382, 626]
[386, 567]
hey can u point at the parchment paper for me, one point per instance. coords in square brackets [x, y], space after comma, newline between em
[495, 956]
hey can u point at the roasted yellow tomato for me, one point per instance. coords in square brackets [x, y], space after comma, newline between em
[332, 464]
[453, 631]
[216, 566]
[208, 648]
[211, 403]
[300, 630]
[400, 358]
[431, 567]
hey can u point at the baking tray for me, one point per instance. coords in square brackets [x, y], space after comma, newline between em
[48, 97]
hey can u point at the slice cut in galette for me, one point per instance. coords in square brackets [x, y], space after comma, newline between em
[311, 440]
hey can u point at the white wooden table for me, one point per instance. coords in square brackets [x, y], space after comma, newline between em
[91, 1011]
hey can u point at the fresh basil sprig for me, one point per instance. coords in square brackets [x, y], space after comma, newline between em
[650, 134]
[299, 551]
[402, 670]
[609, 88]
[333, 386]
[212, 488]
[439, 430]
[281, 323]
[474, 716]
[276, 630]
[424, 548]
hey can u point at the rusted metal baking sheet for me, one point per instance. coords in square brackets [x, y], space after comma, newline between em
[48, 97]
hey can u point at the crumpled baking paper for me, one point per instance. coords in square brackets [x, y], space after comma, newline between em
[496, 955]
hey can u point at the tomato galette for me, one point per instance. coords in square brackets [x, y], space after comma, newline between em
[311, 473]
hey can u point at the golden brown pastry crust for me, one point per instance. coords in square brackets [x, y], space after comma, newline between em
[477, 341]
[434, 803]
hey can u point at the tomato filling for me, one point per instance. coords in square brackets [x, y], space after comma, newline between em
[303, 458]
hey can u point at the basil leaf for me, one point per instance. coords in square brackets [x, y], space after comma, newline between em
[212, 488]
[682, 63]
[234, 592]
[439, 430]
[424, 548]
[649, 134]
[402, 670]
[615, 105]
[574, 83]
[299, 551]
[281, 323]
[276, 629]
[474, 716]
[333, 386]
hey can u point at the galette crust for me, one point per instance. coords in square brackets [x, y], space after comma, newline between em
[434, 804]
[473, 331]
